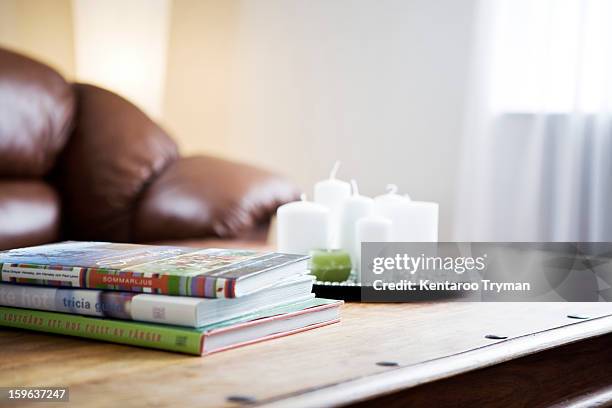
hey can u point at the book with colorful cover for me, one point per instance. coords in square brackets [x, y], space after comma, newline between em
[169, 270]
[163, 309]
[256, 327]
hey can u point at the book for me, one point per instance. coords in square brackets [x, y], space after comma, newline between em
[163, 309]
[169, 270]
[260, 326]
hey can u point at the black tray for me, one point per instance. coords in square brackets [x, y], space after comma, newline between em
[354, 292]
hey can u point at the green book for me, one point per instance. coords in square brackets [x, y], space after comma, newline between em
[256, 327]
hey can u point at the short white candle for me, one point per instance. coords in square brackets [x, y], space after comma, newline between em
[331, 193]
[373, 228]
[301, 227]
[412, 221]
[354, 208]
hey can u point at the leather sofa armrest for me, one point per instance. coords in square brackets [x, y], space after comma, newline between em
[29, 213]
[201, 196]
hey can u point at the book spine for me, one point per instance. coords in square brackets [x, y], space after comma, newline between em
[119, 280]
[117, 305]
[169, 338]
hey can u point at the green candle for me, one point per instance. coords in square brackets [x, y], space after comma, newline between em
[330, 265]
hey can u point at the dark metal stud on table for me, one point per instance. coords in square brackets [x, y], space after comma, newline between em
[387, 364]
[241, 399]
[495, 337]
[578, 317]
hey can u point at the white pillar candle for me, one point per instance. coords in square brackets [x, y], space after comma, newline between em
[373, 228]
[412, 221]
[354, 208]
[301, 227]
[331, 193]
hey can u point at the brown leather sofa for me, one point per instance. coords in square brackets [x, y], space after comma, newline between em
[79, 162]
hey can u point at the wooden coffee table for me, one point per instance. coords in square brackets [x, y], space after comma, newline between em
[435, 354]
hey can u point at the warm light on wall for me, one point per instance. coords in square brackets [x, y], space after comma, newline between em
[121, 46]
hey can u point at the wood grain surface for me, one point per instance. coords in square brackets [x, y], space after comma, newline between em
[377, 349]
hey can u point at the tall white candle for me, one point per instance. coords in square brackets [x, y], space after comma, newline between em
[302, 226]
[354, 208]
[412, 221]
[373, 228]
[331, 193]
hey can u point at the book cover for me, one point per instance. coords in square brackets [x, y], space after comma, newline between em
[170, 338]
[163, 309]
[167, 270]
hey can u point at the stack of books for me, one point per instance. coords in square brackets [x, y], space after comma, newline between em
[189, 300]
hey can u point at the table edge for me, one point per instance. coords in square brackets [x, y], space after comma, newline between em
[403, 377]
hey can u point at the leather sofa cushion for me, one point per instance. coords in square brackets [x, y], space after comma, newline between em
[36, 109]
[114, 152]
[209, 197]
[29, 214]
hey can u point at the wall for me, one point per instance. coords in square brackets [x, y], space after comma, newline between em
[200, 55]
[41, 29]
[122, 46]
[295, 85]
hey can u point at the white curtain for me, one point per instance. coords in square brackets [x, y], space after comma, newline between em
[537, 159]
